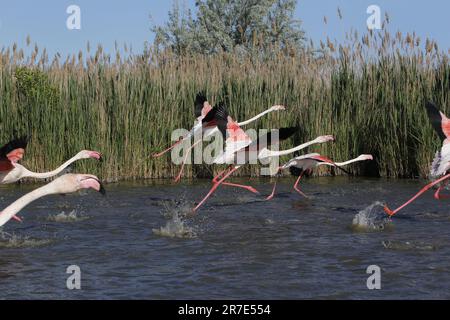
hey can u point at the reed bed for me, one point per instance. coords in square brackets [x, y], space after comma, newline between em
[369, 92]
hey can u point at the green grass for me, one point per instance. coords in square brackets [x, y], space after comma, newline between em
[369, 93]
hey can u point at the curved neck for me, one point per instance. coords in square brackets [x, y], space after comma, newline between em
[292, 150]
[255, 117]
[20, 203]
[340, 164]
[44, 175]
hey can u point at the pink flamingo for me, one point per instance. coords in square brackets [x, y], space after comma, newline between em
[12, 152]
[299, 165]
[440, 167]
[207, 123]
[239, 147]
[67, 183]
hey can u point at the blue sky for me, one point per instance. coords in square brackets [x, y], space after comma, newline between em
[105, 21]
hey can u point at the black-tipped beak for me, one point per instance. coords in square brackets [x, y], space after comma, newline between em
[102, 189]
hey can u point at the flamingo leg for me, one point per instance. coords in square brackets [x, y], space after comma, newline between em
[438, 196]
[273, 191]
[215, 186]
[17, 218]
[424, 189]
[249, 188]
[215, 179]
[157, 155]
[296, 184]
[188, 152]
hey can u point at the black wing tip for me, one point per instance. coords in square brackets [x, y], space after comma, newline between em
[287, 132]
[200, 98]
[295, 171]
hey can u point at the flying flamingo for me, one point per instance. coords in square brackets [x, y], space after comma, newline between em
[11, 171]
[299, 165]
[440, 167]
[239, 147]
[207, 124]
[67, 183]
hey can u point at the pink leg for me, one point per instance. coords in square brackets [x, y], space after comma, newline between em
[188, 152]
[215, 186]
[273, 191]
[296, 183]
[438, 196]
[17, 218]
[428, 186]
[157, 155]
[249, 188]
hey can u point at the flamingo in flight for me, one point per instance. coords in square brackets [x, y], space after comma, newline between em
[239, 149]
[12, 152]
[299, 165]
[440, 168]
[67, 183]
[207, 124]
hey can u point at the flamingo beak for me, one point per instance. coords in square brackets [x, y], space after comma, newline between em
[93, 183]
[102, 189]
[96, 155]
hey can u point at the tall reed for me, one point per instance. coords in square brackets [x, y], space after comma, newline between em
[369, 92]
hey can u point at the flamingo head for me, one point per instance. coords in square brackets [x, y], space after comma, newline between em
[86, 154]
[365, 157]
[322, 139]
[70, 183]
[277, 108]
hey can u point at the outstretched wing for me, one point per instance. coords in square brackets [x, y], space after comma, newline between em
[201, 108]
[273, 138]
[438, 121]
[236, 138]
[14, 150]
[218, 116]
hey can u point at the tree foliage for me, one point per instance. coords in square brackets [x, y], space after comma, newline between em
[231, 25]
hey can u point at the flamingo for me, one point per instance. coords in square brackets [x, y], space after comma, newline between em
[299, 165]
[67, 183]
[440, 168]
[239, 144]
[207, 124]
[12, 152]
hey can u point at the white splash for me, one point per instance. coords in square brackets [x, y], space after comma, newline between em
[176, 227]
[371, 218]
[72, 216]
[8, 240]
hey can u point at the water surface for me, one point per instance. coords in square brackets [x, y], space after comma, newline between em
[135, 243]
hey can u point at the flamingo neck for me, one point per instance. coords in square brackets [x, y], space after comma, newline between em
[44, 175]
[270, 153]
[340, 164]
[254, 118]
[20, 203]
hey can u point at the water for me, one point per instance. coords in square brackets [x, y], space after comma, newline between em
[139, 242]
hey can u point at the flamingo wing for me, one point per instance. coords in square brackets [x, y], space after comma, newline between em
[14, 150]
[270, 139]
[202, 107]
[236, 139]
[218, 116]
[440, 123]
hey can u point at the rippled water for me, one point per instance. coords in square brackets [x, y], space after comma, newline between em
[139, 242]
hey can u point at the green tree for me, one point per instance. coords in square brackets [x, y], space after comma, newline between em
[228, 25]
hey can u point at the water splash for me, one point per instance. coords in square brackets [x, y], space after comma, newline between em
[176, 227]
[8, 240]
[408, 245]
[371, 218]
[72, 216]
